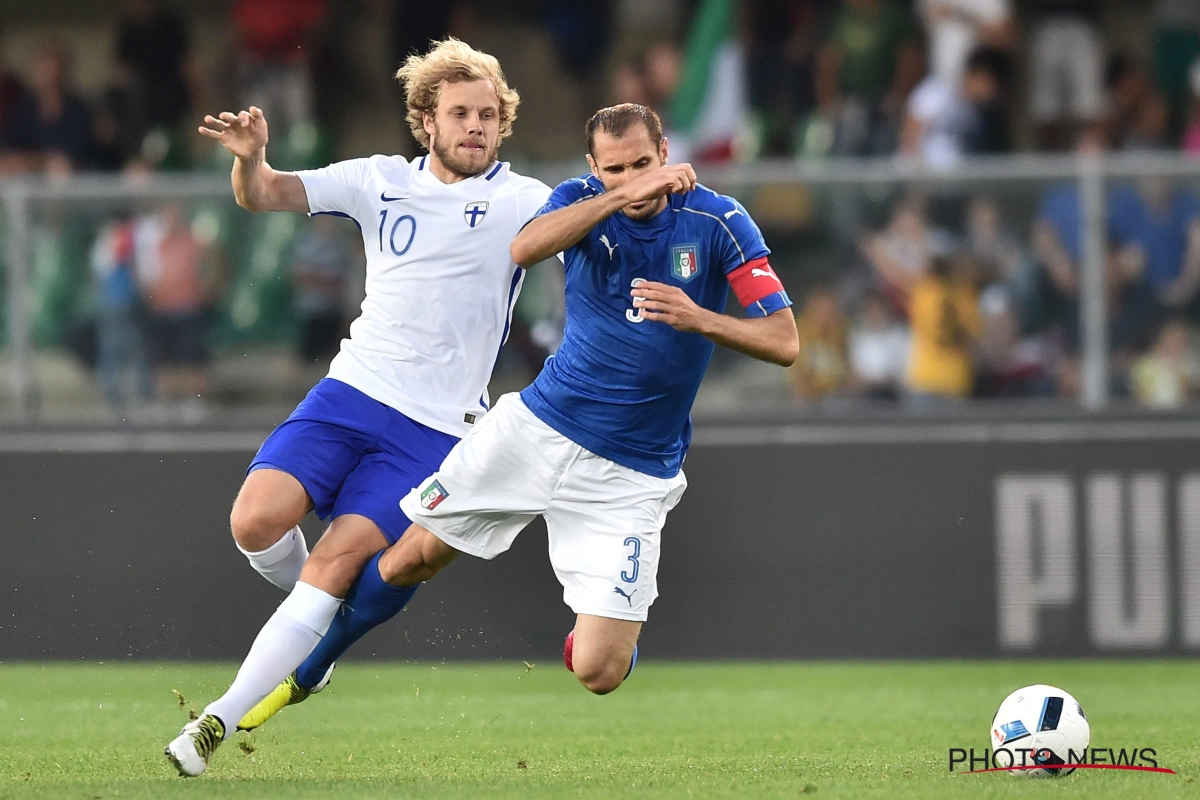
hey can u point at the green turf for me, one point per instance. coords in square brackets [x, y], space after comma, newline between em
[877, 730]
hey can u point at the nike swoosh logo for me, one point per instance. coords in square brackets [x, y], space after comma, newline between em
[387, 199]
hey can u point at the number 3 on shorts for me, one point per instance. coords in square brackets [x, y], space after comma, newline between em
[636, 544]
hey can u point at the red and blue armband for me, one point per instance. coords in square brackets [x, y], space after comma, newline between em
[758, 288]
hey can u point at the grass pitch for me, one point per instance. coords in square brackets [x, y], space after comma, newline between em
[870, 730]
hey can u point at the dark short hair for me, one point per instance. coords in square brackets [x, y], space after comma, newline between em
[616, 120]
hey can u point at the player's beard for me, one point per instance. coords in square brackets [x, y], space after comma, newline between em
[462, 167]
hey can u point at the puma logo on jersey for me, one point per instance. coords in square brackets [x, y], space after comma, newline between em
[755, 272]
[610, 247]
[729, 214]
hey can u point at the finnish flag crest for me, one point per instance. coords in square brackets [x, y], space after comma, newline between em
[475, 212]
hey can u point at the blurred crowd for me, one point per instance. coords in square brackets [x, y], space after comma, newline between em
[143, 118]
[932, 80]
[943, 302]
[931, 315]
[733, 79]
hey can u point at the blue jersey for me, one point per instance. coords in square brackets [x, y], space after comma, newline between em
[623, 386]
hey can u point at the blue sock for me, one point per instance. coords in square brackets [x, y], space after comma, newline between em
[632, 663]
[371, 601]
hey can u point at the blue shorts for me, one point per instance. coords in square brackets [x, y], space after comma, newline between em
[354, 455]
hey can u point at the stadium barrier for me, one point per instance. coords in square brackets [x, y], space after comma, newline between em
[901, 540]
[815, 214]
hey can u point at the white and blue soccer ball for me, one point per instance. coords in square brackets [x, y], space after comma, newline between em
[1037, 729]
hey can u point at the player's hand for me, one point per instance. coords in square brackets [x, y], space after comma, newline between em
[662, 302]
[244, 134]
[670, 179]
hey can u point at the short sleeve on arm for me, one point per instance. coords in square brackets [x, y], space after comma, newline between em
[336, 188]
[568, 193]
[744, 260]
[531, 199]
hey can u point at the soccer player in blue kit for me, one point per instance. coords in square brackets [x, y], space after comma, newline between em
[596, 444]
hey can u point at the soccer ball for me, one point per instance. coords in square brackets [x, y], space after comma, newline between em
[1039, 725]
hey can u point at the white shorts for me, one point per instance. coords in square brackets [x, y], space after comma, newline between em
[1067, 72]
[604, 520]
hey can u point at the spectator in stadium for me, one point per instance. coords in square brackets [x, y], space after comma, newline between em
[900, 254]
[649, 79]
[320, 265]
[1058, 246]
[275, 38]
[1176, 48]
[120, 323]
[48, 128]
[172, 266]
[944, 316]
[956, 28]
[820, 370]
[158, 78]
[781, 49]
[1137, 117]
[879, 346]
[944, 121]
[1156, 232]
[581, 31]
[1168, 376]
[1007, 364]
[1000, 258]
[868, 62]
[1066, 72]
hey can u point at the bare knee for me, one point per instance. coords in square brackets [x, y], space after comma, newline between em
[269, 505]
[254, 527]
[602, 677]
[602, 653]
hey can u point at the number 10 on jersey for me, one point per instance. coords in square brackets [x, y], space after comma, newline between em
[409, 230]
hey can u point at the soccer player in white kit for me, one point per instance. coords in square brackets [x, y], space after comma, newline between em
[407, 385]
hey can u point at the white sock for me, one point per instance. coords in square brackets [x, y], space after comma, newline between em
[283, 643]
[281, 562]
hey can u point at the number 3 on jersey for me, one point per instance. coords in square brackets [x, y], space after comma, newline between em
[405, 224]
[630, 576]
[635, 314]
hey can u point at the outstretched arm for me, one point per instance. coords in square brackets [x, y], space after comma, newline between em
[256, 186]
[771, 338]
[552, 233]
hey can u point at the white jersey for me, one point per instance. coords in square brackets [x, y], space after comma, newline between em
[441, 285]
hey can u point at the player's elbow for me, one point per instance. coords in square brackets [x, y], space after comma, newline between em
[789, 351]
[787, 343]
[521, 253]
[247, 202]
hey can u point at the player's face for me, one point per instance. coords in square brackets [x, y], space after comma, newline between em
[616, 161]
[464, 133]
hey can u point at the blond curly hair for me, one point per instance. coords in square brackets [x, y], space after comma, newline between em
[451, 61]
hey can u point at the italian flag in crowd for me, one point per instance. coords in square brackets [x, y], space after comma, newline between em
[709, 110]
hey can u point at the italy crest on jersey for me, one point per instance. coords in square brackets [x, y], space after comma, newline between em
[684, 263]
[433, 495]
[475, 212]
